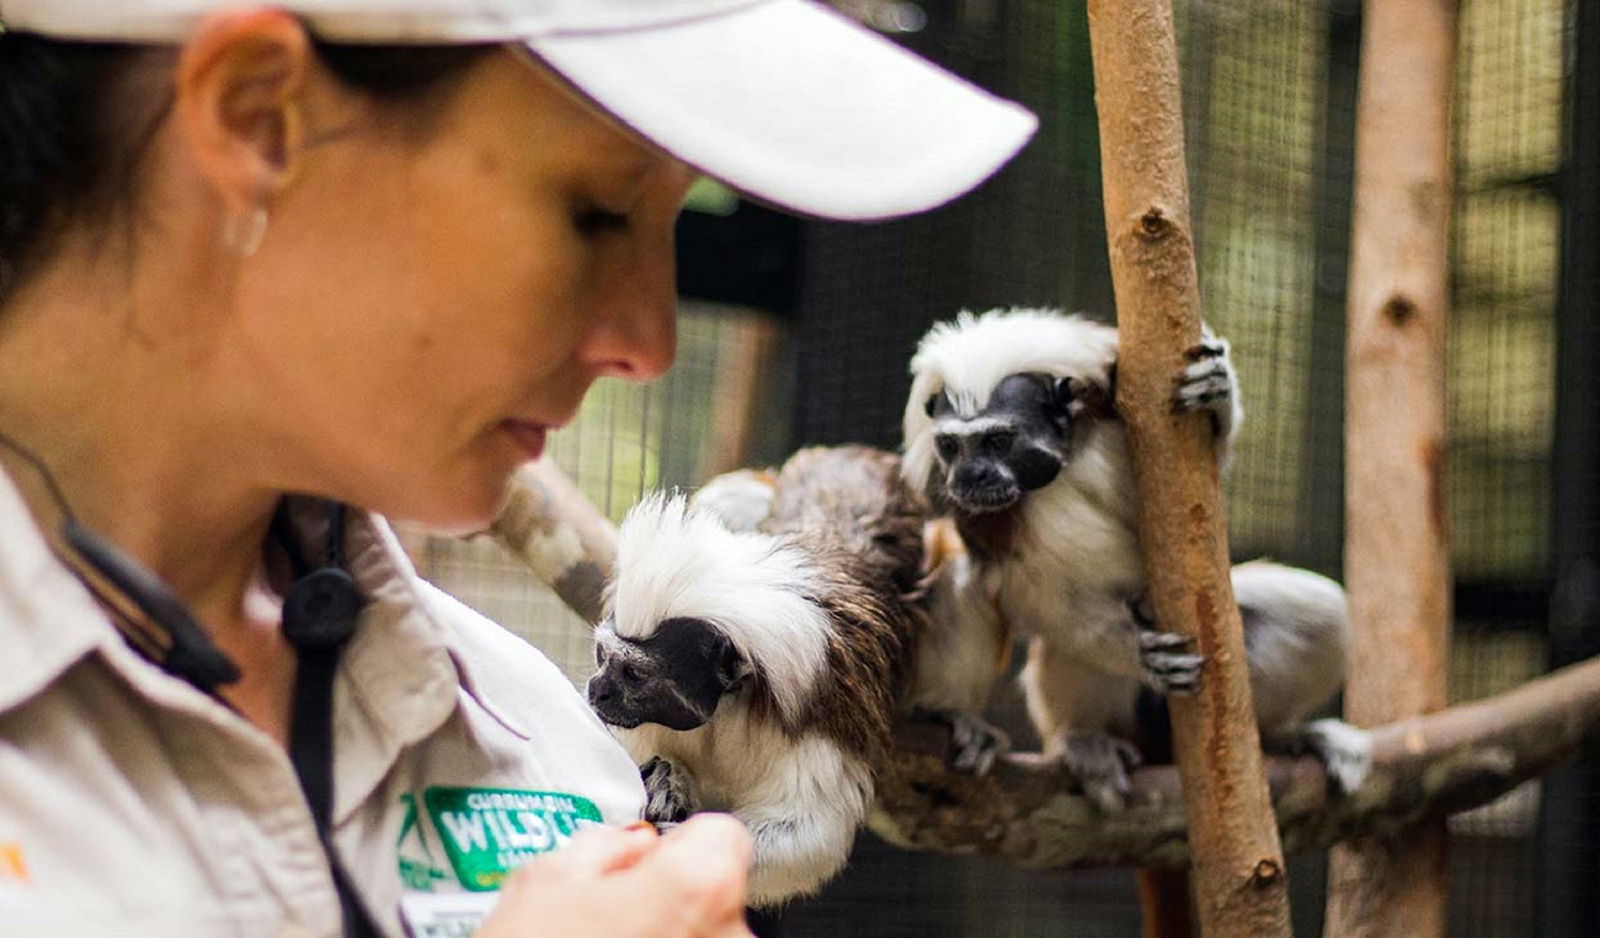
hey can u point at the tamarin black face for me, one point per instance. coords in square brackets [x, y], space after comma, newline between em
[1015, 444]
[675, 676]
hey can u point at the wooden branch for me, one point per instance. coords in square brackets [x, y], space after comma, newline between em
[1397, 534]
[1028, 810]
[1237, 861]
[547, 523]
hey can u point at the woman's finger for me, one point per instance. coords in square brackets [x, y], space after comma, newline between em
[606, 849]
[595, 851]
[703, 863]
[715, 835]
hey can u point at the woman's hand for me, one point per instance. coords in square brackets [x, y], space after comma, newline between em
[632, 883]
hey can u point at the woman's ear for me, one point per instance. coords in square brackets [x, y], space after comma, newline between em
[239, 101]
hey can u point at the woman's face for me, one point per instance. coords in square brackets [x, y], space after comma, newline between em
[425, 306]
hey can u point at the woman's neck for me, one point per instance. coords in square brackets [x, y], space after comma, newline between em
[127, 408]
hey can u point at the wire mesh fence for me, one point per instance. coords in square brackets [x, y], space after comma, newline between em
[1269, 98]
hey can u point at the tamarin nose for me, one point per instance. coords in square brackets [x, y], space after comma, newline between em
[978, 474]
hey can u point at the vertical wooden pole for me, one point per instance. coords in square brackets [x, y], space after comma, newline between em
[1397, 537]
[1237, 861]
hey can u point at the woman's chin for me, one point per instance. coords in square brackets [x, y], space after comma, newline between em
[467, 509]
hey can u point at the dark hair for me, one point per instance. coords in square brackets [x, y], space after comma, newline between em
[73, 128]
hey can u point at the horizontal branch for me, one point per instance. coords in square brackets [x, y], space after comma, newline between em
[1028, 811]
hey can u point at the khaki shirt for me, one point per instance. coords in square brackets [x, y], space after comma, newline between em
[132, 804]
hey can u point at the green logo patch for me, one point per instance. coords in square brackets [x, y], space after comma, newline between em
[419, 868]
[488, 832]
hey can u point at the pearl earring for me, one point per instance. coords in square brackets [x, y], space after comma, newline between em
[243, 233]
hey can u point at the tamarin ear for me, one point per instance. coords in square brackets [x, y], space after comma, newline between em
[729, 666]
[1087, 398]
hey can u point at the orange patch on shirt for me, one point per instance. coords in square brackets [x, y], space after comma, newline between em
[12, 863]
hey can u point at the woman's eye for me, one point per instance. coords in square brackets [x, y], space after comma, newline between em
[594, 220]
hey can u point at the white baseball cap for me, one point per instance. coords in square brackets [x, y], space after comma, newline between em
[785, 100]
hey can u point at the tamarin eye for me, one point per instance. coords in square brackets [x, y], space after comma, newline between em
[932, 404]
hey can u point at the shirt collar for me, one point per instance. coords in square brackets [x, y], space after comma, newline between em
[398, 682]
[48, 619]
[403, 677]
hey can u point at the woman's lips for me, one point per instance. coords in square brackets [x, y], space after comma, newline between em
[528, 436]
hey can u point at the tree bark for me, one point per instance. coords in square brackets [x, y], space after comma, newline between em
[1237, 861]
[1397, 533]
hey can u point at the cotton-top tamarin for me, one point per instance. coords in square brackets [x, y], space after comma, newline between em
[756, 643]
[1010, 428]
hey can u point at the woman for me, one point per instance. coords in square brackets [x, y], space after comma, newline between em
[258, 265]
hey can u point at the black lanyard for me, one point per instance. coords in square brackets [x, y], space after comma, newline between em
[319, 616]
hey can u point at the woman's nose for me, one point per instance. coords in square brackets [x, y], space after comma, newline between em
[636, 336]
[642, 344]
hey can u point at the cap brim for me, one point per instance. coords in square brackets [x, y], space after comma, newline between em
[794, 105]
